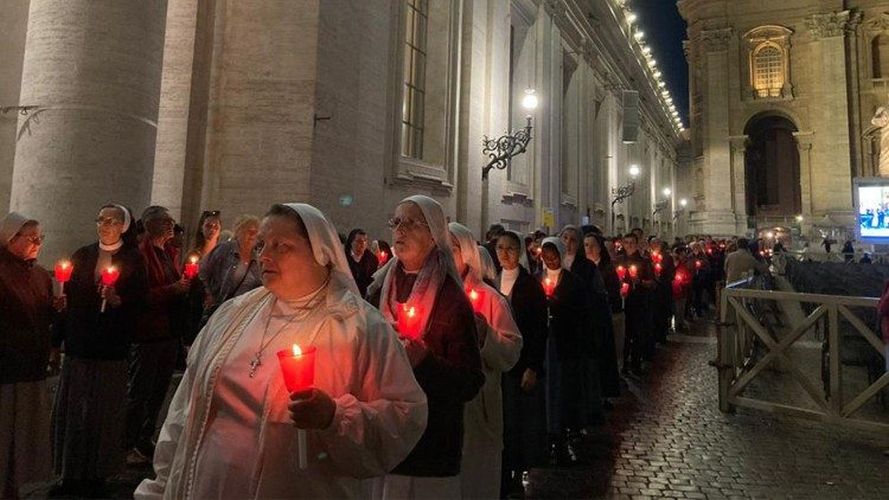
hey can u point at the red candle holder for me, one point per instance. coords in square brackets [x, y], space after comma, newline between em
[549, 287]
[383, 257]
[109, 277]
[298, 368]
[658, 268]
[408, 324]
[621, 272]
[63, 270]
[476, 298]
[191, 268]
[624, 290]
[634, 272]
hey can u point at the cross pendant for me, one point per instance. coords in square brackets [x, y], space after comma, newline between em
[254, 364]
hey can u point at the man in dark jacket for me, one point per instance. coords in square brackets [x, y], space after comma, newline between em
[639, 277]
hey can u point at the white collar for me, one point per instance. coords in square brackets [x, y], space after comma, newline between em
[112, 247]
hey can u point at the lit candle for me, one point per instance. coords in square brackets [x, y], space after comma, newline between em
[63, 270]
[655, 257]
[382, 257]
[634, 272]
[298, 368]
[624, 290]
[621, 272]
[698, 264]
[658, 268]
[549, 287]
[476, 297]
[191, 267]
[409, 321]
[109, 277]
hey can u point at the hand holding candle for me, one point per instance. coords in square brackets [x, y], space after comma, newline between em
[63, 271]
[658, 268]
[634, 272]
[298, 368]
[109, 277]
[191, 268]
[476, 298]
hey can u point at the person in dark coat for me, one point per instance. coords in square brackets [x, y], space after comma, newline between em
[441, 343]
[156, 338]
[89, 416]
[599, 315]
[612, 345]
[524, 411]
[567, 348]
[637, 305]
[362, 262]
[665, 271]
[26, 316]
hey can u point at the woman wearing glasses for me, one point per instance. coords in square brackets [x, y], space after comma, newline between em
[26, 313]
[89, 416]
[441, 342]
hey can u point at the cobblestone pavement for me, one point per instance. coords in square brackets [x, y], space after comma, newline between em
[667, 438]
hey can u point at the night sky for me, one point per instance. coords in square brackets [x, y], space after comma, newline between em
[664, 31]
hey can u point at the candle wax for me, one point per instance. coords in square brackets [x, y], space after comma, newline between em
[298, 369]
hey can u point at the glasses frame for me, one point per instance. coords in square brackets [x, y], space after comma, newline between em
[405, 224]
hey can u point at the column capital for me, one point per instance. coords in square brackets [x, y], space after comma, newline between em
[833, 24]
[716, 40]
[804, 140]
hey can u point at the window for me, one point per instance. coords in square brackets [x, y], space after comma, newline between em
[414, 97]
[880, 56]
[768, 70]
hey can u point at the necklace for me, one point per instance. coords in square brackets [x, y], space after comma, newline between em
[302, 312]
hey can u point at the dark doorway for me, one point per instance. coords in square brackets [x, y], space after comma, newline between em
[772, 167]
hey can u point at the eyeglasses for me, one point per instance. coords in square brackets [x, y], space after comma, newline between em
[107, 221]
[34, 239]
[405, 224]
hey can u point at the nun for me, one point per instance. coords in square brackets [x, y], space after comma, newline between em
[420, 291]
[89, 412]
[566, 356]
[501, 344]
[232, 427]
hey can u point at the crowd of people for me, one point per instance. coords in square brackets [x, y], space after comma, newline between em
[432, 357]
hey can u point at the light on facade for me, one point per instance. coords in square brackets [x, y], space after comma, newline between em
[683, 202]
[667, 191]
[639, 35]
[529, 102]
[631, 17]
[634, 170]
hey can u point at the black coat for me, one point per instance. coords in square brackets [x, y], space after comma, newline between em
[569, 310]
[528, 303]
[363, 270]
[612, 285]
[88, 333]
[597, 301]
[450, 375]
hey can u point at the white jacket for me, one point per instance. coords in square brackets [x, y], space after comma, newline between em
[380, 409]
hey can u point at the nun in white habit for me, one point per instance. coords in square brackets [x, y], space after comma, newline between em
[501, 344]
[231, 430]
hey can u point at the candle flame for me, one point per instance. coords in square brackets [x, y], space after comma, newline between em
[111, 270]
[411, 312]
[473, 295]
[64, 264]
[297, 352]
[193, 259]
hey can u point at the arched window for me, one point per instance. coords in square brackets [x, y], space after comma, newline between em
[880, 56]
[768, 70]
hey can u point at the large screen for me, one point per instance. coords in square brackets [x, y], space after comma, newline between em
[872, 207]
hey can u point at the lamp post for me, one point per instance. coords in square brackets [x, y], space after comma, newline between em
[623, 192]
[502, 150]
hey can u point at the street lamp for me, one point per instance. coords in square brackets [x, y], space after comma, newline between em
[503, 149]
[623, 192]
[682, 204]
[667, 191]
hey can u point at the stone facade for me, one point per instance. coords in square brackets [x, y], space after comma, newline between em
[301, 100]
[830, 91]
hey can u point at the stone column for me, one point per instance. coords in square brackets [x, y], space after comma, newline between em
[804, 143]
[738, 144]
[93, 69]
